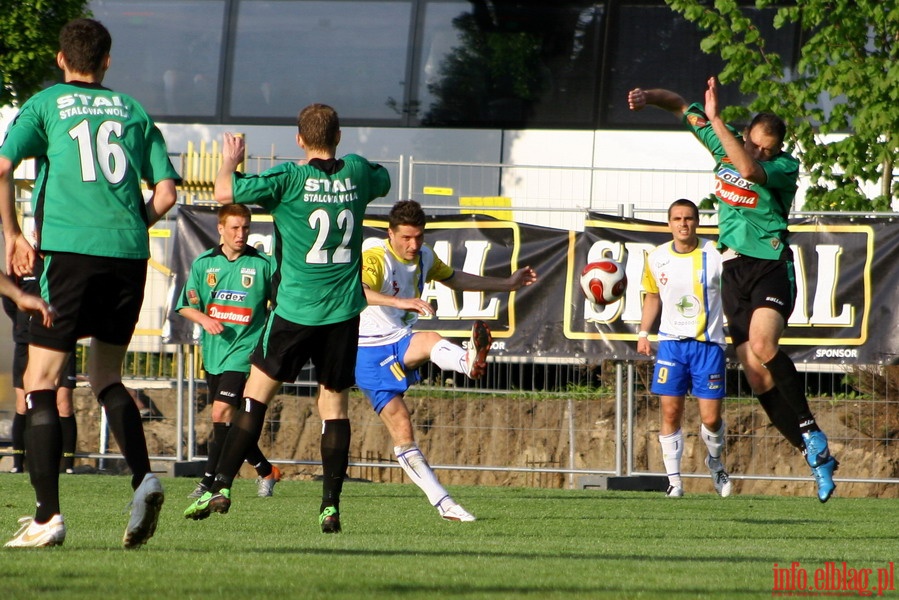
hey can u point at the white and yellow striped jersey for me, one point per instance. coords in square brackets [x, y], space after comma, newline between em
[689, 286]
[385, 272]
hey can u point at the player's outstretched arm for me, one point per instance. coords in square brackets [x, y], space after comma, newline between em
[466, 281]
[748, 167]
[638, 99]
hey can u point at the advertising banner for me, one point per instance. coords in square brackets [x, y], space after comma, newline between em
[846, 271]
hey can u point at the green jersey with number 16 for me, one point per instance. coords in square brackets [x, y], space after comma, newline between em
[92, 146]
[318, 210]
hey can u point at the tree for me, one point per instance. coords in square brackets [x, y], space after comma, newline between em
[844, 82]
[29, 40]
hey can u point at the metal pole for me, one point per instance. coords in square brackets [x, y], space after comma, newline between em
[410, 176]
[619, 384]
[191, 405]
[630, 418]
[571, 443]
[179, 392]
[401, 173]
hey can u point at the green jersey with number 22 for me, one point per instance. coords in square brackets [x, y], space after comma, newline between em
[318, 216]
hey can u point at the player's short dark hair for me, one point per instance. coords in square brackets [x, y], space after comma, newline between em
[233, 210]
[771, 124]
[406, 212]
[684, 202]
[319, 126]
[85, 44]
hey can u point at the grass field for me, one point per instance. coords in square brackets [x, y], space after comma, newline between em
[527, 543]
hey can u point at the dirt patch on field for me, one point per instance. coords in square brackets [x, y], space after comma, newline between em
[526, 433]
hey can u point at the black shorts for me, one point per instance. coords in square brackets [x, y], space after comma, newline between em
[285, 347]
[226, 387]
[67, 379]
[94, 296]
[749, 283]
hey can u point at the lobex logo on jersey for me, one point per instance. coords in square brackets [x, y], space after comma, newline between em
[229, 296]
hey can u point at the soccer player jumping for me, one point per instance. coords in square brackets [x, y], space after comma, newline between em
[755, 183]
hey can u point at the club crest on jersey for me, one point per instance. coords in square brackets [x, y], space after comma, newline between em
[211, 279]
[247, 276]
[192, 297]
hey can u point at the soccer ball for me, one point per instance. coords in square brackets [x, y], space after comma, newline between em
[603, 281]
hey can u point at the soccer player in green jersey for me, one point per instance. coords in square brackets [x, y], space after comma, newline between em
[93, 146]
[227, 295]
[755, 183]
[318, 209]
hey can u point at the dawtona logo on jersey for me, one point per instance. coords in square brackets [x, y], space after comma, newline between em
[230, 314]
[229, 296]
[734, 190]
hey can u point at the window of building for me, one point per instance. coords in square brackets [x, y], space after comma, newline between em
[351, 55]
[166, 53]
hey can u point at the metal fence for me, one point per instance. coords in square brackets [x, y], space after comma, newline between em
[559, 425]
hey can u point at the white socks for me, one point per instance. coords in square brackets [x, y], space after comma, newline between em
[713, 441]
[419, 471]
[672, 451]
[449, 357]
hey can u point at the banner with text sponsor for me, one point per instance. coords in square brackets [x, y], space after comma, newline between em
[845, 310]
[846, 273]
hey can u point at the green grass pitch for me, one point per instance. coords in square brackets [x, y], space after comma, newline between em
[526, 543]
